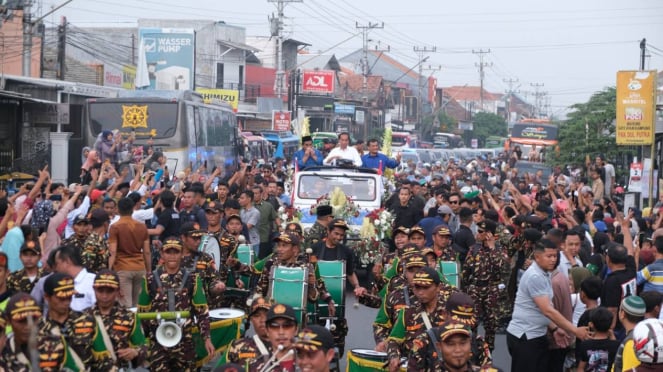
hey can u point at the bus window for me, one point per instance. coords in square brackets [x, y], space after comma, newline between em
[158, 120]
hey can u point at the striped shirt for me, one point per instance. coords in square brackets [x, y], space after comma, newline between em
[652, 276]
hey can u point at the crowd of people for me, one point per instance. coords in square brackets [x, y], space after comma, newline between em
[89, 271]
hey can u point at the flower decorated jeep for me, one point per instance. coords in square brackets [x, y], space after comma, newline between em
[351, 192]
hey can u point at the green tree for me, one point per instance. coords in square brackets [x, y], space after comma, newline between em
[589, 130]
[486, 125]
[427, 128]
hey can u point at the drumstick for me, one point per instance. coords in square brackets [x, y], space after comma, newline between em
[271, 359]
[276, 363]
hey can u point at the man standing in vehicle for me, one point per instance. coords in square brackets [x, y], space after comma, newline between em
[344, 151]
[376, 160]
[308, 156]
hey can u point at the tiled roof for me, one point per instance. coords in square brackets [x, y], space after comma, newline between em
[469, 93]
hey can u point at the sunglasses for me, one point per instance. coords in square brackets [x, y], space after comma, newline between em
[453, 201]
[421, 286]
[195, 237]
[285, 326]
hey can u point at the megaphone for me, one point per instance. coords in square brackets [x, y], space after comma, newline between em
[169, 334]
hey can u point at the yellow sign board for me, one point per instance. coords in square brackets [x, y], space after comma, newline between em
[231, 97]
[636, 105]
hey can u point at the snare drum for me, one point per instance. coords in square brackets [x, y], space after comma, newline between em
[289, 286]
[226, 325]
[365, 360]
[451, 271]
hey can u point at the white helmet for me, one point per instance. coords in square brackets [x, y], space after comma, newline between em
[648, 341]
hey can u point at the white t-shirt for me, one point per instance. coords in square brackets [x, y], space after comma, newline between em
[350, 153]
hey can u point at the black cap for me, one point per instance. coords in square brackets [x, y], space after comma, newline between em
[532, 235]
[313, 338]
[81, 218]
[307, 138]
[426, 276]
[416, 230]
[59, 285]
[281, 311]
[214, 206]
[236, 216]
[31, 245]
[324, 210]
[340, 223]
[191, 228]
[487, 225]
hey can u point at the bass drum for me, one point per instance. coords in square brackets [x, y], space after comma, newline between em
[289, 285]
[209, 245]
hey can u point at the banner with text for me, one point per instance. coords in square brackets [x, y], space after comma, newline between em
[170, 56]
[228, 96]
[281, 120]
[636, 102]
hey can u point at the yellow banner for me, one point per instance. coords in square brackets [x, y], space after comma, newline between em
[226, 95]
[636, 102]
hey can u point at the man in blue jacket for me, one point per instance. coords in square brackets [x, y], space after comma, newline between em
[373, 158]
[308, 156]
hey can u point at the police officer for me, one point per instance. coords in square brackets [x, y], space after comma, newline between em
[429, 311]
[482, 277]
[173, 288]
[25, 346]
[248, 350]
[123, 332]
[318, 231]
[79, 329]
[24, 280]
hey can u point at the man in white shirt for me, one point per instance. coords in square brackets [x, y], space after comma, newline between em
[68, 261]
[343, 151]
[570, 248]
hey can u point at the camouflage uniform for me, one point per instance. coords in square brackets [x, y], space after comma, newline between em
[188, 295]
[482, 274]
[75, 241]
[409, 325]
[19, 281]
[203, 264]
[246, 352]
[316, 233]
[387, 316]
[505, 308]
[83, 337]
[52, 354]
[423, 356]
[124, 331]
[95, 253]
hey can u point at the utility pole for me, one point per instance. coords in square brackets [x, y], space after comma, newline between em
[432, 69]
[509, 95]
[421, 51]
[481, 66]
[364, 38]
[62, 44]
[537, 96]
[276, 26]
[27, 40]
[643, 53]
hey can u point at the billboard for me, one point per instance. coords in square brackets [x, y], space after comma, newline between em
[636, 105]
[281, 120]
[229, 96]
[534, 134]
[170, 57]
[318, 81]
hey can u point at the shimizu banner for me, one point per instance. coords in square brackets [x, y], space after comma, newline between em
[636, 105]
[228, 96]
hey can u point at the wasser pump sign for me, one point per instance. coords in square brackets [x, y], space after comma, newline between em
[170, 56]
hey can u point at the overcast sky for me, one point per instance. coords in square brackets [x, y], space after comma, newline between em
[572, 47]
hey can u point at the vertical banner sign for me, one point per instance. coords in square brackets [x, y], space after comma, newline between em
[636, 102]
[635, 178]
[170, 55]
[281, 120]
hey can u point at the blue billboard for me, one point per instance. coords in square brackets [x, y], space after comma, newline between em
[170, 57]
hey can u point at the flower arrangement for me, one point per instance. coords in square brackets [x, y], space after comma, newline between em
[342, 205]
[289, 214]
[383, 221]
[370, 248]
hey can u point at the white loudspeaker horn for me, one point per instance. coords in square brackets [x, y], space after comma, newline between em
[169, 334]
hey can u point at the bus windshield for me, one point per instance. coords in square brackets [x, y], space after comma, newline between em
[153, 119]
[398, 140]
